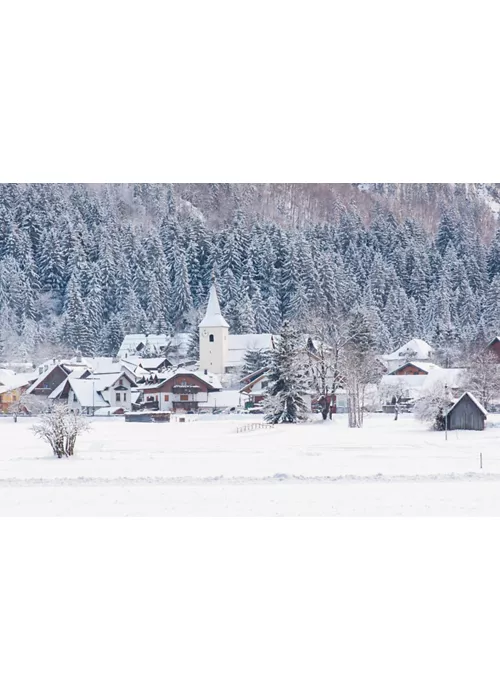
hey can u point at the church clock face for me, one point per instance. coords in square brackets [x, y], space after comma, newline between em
[205, 332]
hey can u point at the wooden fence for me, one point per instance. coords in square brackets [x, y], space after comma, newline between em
[253, 426]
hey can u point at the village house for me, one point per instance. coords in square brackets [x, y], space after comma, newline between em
[180, 390]
[415, 350]
[137, 347]
[51, 374]
[407, 383]
[255, 387]
[494, 348]
[104, 394]
[12, 387]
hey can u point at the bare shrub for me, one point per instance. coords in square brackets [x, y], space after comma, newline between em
[60, 428]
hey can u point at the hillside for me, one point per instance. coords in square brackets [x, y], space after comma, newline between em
[80, 265]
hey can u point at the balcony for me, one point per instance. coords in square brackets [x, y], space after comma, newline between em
[186, 389]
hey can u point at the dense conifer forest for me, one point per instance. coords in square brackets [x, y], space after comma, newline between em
[80, 265]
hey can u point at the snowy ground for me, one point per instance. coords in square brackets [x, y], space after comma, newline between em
[206, 467]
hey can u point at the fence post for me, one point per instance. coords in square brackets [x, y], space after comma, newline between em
[480, 460]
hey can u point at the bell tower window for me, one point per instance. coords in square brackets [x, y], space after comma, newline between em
[211, 338]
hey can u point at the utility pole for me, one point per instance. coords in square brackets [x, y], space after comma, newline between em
[446, 414]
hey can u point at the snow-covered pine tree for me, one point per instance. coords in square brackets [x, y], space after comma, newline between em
[182, 303]
[255, 359]
[246, 315]
[287, 379]
[111, 337]
[75, 331]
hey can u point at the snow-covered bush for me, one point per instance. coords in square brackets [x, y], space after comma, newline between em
[432, 405]
[60, 428]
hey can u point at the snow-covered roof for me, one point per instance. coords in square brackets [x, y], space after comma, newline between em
[15, 384]
[209, 378]
[108, 410]
[87, 393]
[156, 343]
[227, 398]
[213, 317]
[473, 399]
[253, 376]
[152, 363]
[132, 342]
[11, 380]
[416, 347]
[238, 345]
[110, 365]
[424, 366]
[416, 384]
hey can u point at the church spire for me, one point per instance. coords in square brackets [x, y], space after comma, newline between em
[213, 317]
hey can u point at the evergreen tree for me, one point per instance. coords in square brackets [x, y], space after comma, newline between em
[182, 302]
[246, 316]
[287, 379]
[111, 337]
[75, 332]
[255, 360]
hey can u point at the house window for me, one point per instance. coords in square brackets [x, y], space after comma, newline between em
[265, 385]
[184, 397]
[74, 397]
[150, 398]
[166, 397]
[118, 397]
[211, 337]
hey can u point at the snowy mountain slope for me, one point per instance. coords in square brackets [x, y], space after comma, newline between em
[82, 265]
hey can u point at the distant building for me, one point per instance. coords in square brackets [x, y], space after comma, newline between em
[214, 332]
[179, 390]
[12, 387]
[395, 386]
[494, 347]
[255, 386]
[414, 350]
[112, 392]
[51, 374]
[414, 368]
[221, 352]
[466, 414]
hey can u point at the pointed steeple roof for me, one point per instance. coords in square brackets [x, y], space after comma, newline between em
[213, 317]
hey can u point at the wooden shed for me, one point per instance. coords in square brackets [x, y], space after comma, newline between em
[466, 414]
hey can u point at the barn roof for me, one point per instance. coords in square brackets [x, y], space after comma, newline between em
[424, 366]
[421, 348]
[473, 399]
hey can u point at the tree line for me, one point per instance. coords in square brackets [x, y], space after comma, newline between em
[80, 266]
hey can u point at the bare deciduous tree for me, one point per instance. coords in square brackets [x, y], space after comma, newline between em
[30, 404]
[60, 428]
[482, 377]
[359, 370]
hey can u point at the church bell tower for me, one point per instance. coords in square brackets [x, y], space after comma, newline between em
[214, 331]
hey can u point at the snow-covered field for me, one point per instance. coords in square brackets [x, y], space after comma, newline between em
[207, 467]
